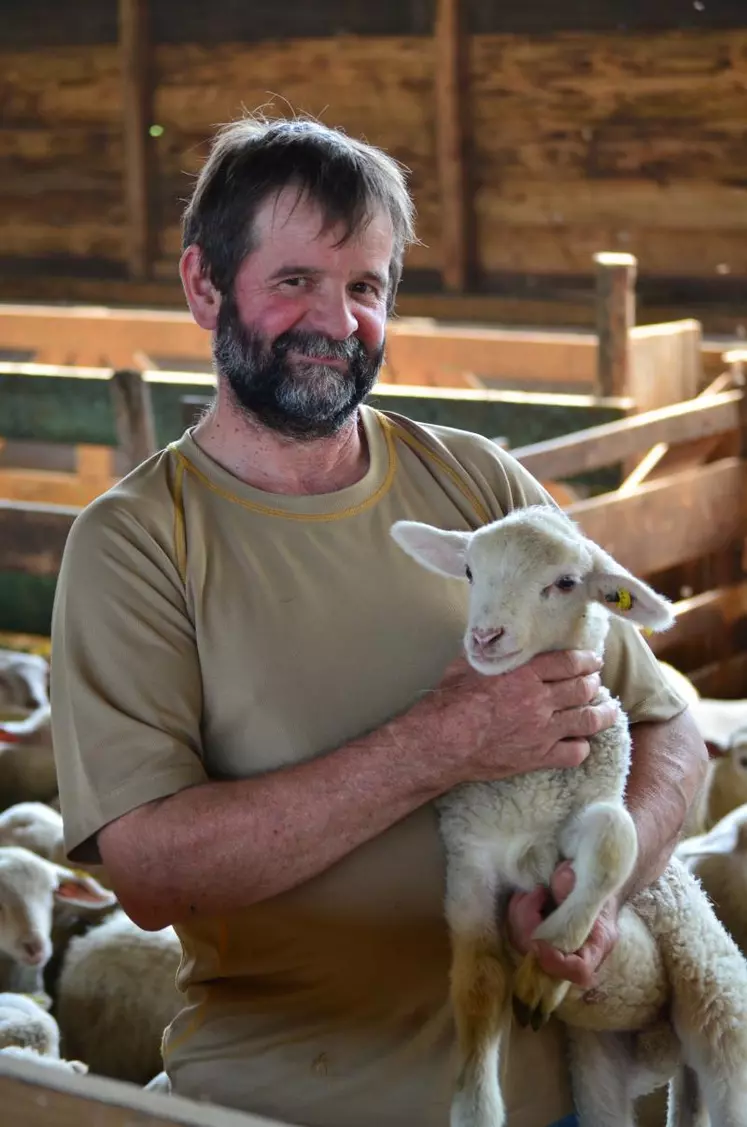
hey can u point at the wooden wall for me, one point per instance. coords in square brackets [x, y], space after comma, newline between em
[628, 133]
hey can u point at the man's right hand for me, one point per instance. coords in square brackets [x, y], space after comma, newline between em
[534, 717]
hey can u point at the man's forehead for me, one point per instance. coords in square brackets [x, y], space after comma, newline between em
[289, 217]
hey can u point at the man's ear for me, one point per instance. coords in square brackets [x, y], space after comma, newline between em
[202, 297]
[624, 595]
[438, 550]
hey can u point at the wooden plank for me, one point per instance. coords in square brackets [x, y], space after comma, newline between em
[133, 414]
[666, 363]
[450, 80]
[672, 521]
[615, 317]
[724, 679]
[613, 442]
[32, 536]
[664, 458]
[57, 457]
[701, 616]
[36, 1096]
[134, 49]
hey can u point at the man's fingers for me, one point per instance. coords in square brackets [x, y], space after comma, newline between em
[576, 692]
[525, 916]
[568, 753]
[562, 881]
[575, 968]
[582, 723]
[562, 665]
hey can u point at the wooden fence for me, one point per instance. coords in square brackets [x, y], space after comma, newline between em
[677, 517]
[33, 1095]
[621, 359]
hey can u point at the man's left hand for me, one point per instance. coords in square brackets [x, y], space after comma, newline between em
[525, 914]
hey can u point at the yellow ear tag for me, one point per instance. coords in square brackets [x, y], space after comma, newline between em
[624, 599]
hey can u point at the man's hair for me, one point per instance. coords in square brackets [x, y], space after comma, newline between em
[254, 158]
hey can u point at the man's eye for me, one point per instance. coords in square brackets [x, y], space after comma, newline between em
[468, 573]
[565, 583]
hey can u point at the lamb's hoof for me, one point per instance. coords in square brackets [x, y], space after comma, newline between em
[522, 1013]
[535, 994]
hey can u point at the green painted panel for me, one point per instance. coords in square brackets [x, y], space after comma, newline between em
[26, 603]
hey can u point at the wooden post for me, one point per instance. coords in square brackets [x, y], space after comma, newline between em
[133, 412]
[136, 97]
[450, 83]
[615, 317]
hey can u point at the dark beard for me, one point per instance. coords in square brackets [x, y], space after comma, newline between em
[302, 401]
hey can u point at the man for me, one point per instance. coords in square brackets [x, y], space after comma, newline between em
[257, 696]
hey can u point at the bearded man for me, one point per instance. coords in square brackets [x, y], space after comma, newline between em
[244, 662]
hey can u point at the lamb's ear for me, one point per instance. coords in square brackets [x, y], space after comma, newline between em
[723, 838]
[81, 890]
[438, 550]
[624, 595]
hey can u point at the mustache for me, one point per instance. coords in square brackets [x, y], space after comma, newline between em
[317, 344]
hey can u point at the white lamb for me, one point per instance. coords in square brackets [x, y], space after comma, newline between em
[25, 1021]
[38, 827]
[19, 1052]
[538, 584]
[30, 889]
[719, 861]
[115, 995]
[27, 766]
[24, 680]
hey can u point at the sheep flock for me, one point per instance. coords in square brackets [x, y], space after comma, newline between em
[84, 989]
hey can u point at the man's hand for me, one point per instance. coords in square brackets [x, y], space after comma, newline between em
[537, 716]
[525, 914]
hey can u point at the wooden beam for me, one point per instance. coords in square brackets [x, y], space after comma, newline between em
[664, 458]
[609, 443]
[36, 1095]
[451, 77]
[701, 616]
[671, 521]
[722, 679]
[32, 536]
[136, 98]
[615, 317]
[133, 413]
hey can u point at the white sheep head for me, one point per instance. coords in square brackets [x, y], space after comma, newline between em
[536, 584]
[30, 887]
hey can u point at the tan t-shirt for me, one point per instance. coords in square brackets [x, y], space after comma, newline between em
[204, 629]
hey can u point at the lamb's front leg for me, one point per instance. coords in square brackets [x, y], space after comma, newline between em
[480, 994]
[602, 843]
[601, 1068]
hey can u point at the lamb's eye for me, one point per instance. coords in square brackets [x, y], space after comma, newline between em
[565, 583]
[468, 573]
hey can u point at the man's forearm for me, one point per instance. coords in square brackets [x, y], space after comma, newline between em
[221, 846]
[669, 763]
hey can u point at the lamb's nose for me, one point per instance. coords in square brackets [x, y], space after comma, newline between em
[33, 949]
[485, 637]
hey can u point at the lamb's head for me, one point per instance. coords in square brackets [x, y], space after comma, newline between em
[30, 887]
[536, 584]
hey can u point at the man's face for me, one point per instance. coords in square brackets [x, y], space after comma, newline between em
[300, 339]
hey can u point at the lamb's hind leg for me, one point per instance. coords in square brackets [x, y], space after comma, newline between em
[601, 1067]
[602, 843]
[480, 995]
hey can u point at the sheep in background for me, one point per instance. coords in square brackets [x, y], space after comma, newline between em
[34, 826]
[38, 827]
[538, 584]
[30, 889]
[24, 683]
[719, 861]
[27, 1054]
[27, 766]
[116, 993]
[25, 1021]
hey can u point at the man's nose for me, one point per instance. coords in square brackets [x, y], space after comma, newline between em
[332, 315]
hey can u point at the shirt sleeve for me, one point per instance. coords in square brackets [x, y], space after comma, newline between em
[125, 678]
[631, 672]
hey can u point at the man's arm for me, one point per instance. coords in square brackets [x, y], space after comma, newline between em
[220, 846]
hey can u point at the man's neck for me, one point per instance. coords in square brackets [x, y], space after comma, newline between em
[266, 460]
